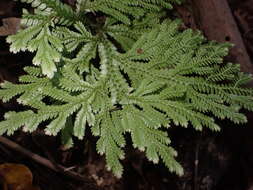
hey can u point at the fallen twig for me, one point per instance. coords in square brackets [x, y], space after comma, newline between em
[45, 162]
[196, 164]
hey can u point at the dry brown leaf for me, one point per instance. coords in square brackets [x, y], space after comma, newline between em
[10, 26]
[16, 177]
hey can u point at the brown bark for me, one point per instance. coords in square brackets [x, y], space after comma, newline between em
[215, 19]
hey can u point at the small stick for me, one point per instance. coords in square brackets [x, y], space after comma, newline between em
[45, 162]
[196, 166]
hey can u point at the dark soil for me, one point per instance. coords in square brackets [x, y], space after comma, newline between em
[212, 161]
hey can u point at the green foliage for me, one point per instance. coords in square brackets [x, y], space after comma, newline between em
[117, 67]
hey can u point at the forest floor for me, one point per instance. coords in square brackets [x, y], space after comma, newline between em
[212, 161]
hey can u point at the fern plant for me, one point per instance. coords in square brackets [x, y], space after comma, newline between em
[118, 67]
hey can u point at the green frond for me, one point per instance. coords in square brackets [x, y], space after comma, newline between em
[109, 143]
[243, 101]
[121, 10]
[147, 87]
[56, 94]
[242, 79]
[29, 93]
[83, 117]
[56, 125]
[9, 90]
[127, 35]
[33, 71]
[71, 81]
[166, 153]
[226, 73]
[152, 141]
[19, 42]
[39, 38]
[14, 121]
[73, 39]
[66, 134]
[62, 13]
[212, 103]
[35, 3]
